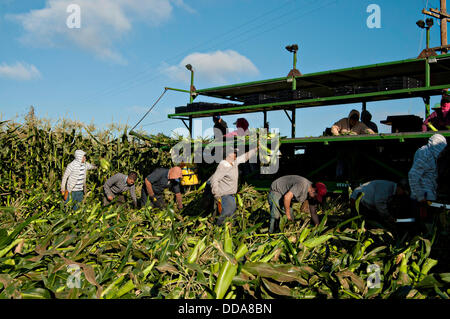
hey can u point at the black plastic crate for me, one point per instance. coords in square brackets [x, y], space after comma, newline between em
[392, 83]
[250, 99]
[411, 83]
[344, 90]
[365, 89]
[302, 94]
[181, 109]
[398, 83]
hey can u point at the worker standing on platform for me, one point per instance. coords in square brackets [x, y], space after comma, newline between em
[293, 187]
[366, 118]
[241, 128]
[220, 127]
[423, 173]
[440, 118]
[224, 183]
[350, 125]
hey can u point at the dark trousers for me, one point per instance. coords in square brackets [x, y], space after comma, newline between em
[159, 203]
[276, 210]
[120, 199]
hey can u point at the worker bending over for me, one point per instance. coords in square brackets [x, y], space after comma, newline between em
[375, 198]
[157, 181]
[116, 185]
[350, 125]
[293, 187]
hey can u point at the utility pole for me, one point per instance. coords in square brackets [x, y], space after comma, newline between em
[444, 17]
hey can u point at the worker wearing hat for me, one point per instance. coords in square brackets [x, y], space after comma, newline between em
[293, 187]
[440, 118]
[157, 181]
[241, 128]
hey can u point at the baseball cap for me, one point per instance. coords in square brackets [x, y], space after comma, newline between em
[242, 122]
[216, 117]
[321, 191]
[445, 99]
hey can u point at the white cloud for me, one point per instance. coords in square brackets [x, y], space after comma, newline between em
[19, 71]
[215, 67]
[102, 23]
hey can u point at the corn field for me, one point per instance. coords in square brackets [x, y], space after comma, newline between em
[49, 251]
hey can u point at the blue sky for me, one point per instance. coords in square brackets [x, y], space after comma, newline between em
[125, 52]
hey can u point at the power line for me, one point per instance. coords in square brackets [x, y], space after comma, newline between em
[252, 37]
[265, 31]
[153, 123]
[231, 41]
[136, 77]
[144, 80]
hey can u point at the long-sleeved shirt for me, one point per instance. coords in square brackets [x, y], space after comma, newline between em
[74, 178]
[423, 173]
[376, 195]
[225, 179]
[117, 184]
[343, 126]
[440, 119]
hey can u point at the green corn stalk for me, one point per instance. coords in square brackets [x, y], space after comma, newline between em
[196, 251]
[358, 201]
[426, 267]
[305, 232]
[227, 273]
[317, 241]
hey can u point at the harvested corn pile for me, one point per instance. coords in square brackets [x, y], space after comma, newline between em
[49, 251]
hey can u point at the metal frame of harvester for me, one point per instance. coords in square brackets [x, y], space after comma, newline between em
[387, 155]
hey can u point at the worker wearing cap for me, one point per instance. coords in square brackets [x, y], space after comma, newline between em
[440, 118]
[157, 181]
[293, 187]
[220, 127]
[224, 183]
[241, 128]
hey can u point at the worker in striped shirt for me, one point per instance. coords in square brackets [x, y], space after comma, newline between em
[73, 183]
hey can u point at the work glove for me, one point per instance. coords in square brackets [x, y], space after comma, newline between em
[154, 201]
[218, 201]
